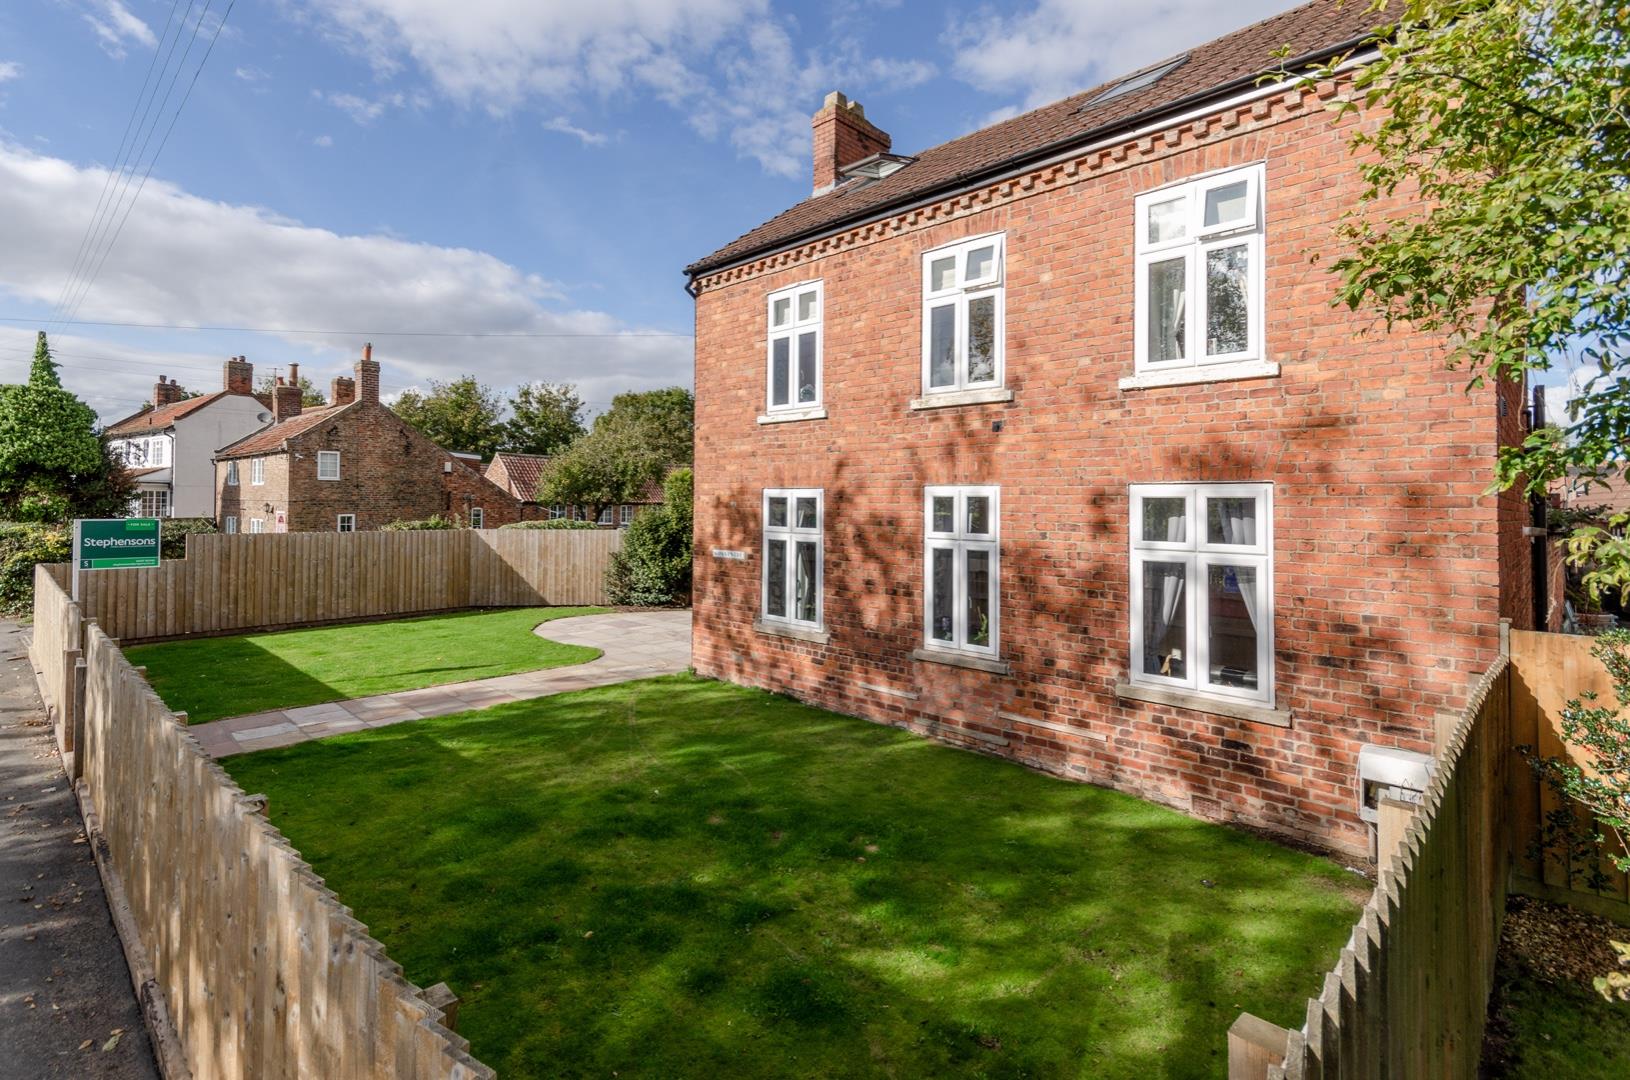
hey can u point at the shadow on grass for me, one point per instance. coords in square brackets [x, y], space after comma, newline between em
[682, 878]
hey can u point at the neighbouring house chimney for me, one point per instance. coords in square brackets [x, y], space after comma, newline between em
[342, 390]
[166, 392]
[238, 376]
[843, 136]
[285, 400]
[368, 376]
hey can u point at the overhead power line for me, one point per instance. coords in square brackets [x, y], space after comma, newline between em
[367, 333]
[90, 281]
[118, 157]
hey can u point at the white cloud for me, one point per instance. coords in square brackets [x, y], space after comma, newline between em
[182, 258]
[566, 127]
[728, 66]
[117, 27]
[9, 70]
[1060, 47]
[250, 74]
[324, 141]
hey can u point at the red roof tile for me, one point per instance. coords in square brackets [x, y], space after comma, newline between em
[1231, 62]
[162, 417]
[523, 471]
[269, 440]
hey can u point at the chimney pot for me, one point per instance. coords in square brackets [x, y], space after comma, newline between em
[238, 376]
[367, 388]
[843, 136]
[166, 391]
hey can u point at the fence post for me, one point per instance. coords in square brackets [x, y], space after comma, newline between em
[1254, 1046]
[68, 705]
[77, 720]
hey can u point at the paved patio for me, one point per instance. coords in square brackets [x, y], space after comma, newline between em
[634, 645]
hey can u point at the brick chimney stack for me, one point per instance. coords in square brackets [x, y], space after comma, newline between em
[843, 136]
[166, 392]
[238, 376]
[368, 376]
[342, 390]
[286, 397]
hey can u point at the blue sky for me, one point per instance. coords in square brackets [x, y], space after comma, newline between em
[504, 166]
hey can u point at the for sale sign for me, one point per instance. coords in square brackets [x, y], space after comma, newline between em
[114, 543]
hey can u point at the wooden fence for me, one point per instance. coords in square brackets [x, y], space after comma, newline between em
[1408, 996]
[1549, 670]
[246, 965]
[54, 652]
[233, 584]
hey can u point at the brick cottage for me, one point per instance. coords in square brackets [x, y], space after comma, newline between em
[1047, 442]
[350, 466]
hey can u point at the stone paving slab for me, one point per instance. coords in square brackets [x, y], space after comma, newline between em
[633, 645]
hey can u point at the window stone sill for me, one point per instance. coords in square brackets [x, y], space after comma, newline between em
[995, 395]
[962, 660]
[794, 415]
[1187, 699]
[1202, 373]
[797, 633]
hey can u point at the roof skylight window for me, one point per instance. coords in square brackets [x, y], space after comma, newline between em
[1133, 83]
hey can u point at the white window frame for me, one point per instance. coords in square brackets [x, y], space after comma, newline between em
[257, 525]
[792, 535]
[229, 525]
[626, 515]
[325, 456]
[607, 516]
[960, 542]
[158, 451]
[154, 502]
[557, 512]
[232, 473]
[478, 518]
[345, 523]
[962, 292]
[1196, 243]
[790, 331]
[1197, 553]
[257, 470]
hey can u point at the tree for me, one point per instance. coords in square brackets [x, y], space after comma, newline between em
[1506, 124]
[611, 465]
[53, 464]
[544, 418]
[667, 417]
[462, 415]
[653, 567]
[310, 396]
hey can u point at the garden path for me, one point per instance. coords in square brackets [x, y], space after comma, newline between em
[633, 645]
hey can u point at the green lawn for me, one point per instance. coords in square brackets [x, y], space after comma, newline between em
[212, 678]
[1554, 1030]
[681, 878]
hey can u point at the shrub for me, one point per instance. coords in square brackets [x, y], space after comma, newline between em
[654, 566]
[173, 533]
[434, 521]
[552, 523]
[21, 547]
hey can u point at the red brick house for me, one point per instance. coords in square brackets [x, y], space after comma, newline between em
[1048, 443]
[349, 466]
[519, 474]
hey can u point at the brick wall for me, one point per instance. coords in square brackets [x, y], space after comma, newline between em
[247, 501]
[1387, 555]
[388, 472]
